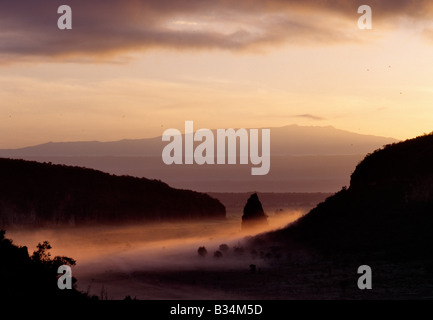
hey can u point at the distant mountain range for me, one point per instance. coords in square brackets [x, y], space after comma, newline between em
[303, 159]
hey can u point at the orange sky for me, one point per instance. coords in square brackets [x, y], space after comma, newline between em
[135, 68]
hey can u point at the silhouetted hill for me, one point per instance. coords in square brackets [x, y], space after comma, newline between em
[388, 206]
[41, 193]
[303, 159]
[31, 278]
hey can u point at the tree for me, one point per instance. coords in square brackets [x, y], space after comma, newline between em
[42, 255]
[224, 248]
[239, 250]
[218, 254]
[202, 251]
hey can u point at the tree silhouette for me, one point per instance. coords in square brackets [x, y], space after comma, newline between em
[224, 248]
[42, 255]
[217, 254]
[202, 251]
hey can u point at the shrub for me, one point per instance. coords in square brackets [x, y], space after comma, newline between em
[224, 248]
[202, 251]
[218, 254]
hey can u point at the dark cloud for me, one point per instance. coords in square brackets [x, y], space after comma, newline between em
[28, 28]
[309, 116]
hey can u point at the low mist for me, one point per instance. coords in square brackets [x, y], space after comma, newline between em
[117, 261]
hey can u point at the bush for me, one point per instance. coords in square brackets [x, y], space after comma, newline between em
[202, 251]
[239, 250]
[218, 254]
[224, 248]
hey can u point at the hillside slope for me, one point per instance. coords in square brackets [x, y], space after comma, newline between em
[29, 277]
[388, 206]
[35, 193]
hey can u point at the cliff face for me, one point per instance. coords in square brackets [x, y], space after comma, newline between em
[39, 194]
[388, 206]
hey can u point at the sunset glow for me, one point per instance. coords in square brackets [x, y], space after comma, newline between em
[158, 64]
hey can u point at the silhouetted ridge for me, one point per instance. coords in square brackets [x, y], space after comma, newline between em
[41, 193]
[388, 206]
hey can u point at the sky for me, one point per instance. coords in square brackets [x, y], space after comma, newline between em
[133, 68]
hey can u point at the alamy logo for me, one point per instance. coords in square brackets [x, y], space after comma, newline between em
[226, 147]
[365, 281]
[65, 280]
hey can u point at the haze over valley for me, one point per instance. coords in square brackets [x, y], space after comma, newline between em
[303, 159]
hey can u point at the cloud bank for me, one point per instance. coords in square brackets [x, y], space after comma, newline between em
[107, 28]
